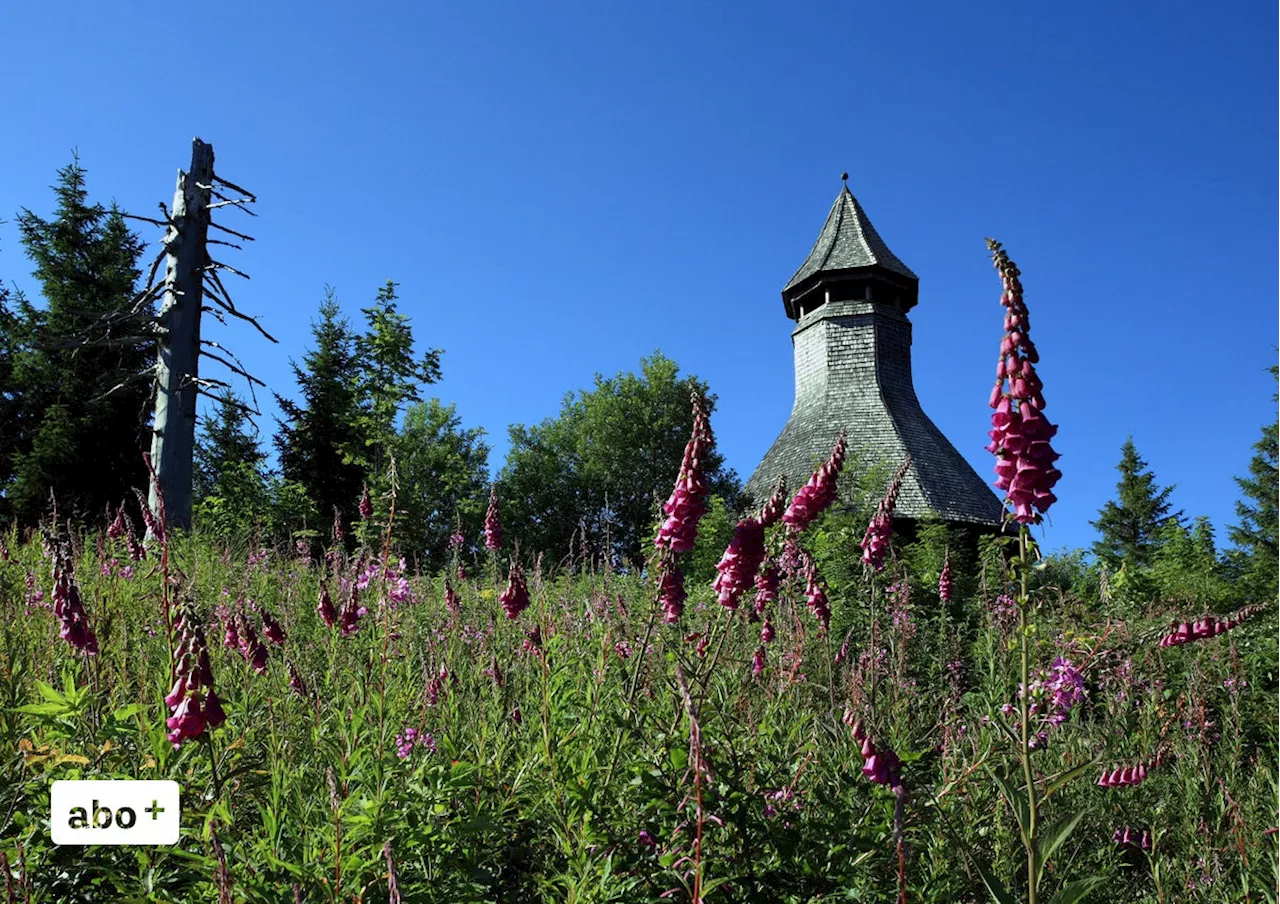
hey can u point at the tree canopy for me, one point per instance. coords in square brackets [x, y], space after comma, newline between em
[607, 461]
[1131, 526]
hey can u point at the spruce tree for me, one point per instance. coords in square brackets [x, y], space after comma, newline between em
[231, 487]
[82, 412]
[321, 443]
[1256, 535]
[1131, 527]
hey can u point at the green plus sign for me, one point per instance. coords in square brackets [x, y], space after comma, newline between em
[155, 810]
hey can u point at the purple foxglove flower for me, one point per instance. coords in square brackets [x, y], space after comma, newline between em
[740, 562]
[214, 715]
[875, 543]
[515, 598]
[492, 523]
[451, 600]
[766, 631]
[816, 495]
[688, 500]
[272, 629]
[772, 509]
[671, 594]
[366, 505]
[296, 684]
[815, 595]
[186, 722]
[944, 580]
[758, 662]
[324, 606]
[1020, 433]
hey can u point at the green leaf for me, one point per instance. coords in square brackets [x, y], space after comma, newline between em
[1073, 892]
[1052, 839]
[47, 691]
[998, 892]
[1016, 801]
[1068, 777]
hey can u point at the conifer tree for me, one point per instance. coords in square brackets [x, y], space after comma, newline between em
[231, 489]
[81, 417]
[1256, 535]
[388, 377]
[1131, 527]
[321, 443]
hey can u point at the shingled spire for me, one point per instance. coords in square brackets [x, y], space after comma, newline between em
[852, 344]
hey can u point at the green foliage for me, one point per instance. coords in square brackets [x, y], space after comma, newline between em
[1130, 527]
[443, 474]
[715, 530]
[321, 443]
[231, 491]
[1258, 533]
[388, 376]
[68, 403]
[609, 459]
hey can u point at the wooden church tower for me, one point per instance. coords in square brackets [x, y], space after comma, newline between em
[852, 342]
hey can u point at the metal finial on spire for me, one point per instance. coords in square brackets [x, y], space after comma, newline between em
[844, 177]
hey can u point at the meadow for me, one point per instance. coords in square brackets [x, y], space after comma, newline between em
[852, 711]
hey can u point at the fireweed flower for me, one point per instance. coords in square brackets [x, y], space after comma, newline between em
[816, 495]
[944, 580]
[875, 543]
[1020, 433]
[324, 606]
[688, 500]
[411, 738]
[740, 562]
[492, 524]
[515, 599]
[1053, 694]
[671, 594]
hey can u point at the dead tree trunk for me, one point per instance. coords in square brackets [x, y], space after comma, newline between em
[177, 370]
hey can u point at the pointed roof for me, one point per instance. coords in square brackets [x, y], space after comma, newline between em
[847, 241]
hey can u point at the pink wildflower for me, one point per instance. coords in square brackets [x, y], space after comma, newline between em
[880, 766]
[688, 499]
[671, 594]
[772, 509]
[766, 631]
[875, 543]
[324, 606]
[451, 601]
[68, 605]
[816, 495]
[1207, 626]
[492, 524]
[741, 560]
[515, 599]
[296, 683]
[351, 613]
[815, 594]
[757, 662]
[117, 529]
[272, 629]
[1020, 433]
[944, 580]
[366, 505]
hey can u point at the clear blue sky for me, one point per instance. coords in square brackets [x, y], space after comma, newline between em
[562, 188]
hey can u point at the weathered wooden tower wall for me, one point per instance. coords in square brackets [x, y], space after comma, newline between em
[852, 343]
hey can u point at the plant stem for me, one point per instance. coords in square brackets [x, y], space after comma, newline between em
[1029, 838]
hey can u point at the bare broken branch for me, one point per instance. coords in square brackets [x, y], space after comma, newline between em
[231, 185]
[228, 306]
[233, 402]
[151, 220]
[239, 235]
[219, 265]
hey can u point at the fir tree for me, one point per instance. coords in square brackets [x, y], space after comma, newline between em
[1256, 535]
[320, 441]
[1132, 526]
[81, 412]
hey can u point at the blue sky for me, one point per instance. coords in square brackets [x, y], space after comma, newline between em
[560, 189]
